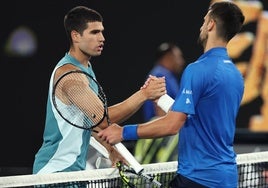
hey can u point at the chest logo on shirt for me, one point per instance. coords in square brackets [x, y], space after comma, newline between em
[187, 101]
[187, 91]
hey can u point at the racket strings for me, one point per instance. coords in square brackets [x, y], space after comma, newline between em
[79, 100]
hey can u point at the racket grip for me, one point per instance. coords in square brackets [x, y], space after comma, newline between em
[133, 163]
[165, 102]
[100, 148]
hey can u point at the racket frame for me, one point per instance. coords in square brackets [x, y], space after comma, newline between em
[104, 100]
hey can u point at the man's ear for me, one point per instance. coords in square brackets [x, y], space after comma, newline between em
[75, 36]
[211, 24]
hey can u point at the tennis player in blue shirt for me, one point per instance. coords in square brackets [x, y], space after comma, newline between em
[205, 109]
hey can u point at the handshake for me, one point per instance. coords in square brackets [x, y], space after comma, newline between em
[164, 101]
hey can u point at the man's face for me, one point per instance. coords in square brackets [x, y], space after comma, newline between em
[91, 41]
[203, 36]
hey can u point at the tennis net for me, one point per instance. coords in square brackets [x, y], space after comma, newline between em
[252, 168]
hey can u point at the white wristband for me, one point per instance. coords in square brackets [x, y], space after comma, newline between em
[165, 102]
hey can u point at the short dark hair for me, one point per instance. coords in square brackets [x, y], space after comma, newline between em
[77, 19]
[229, 18]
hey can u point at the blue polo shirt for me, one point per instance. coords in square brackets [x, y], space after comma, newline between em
[210, 94]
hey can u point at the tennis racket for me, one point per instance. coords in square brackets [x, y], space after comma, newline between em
[125, 171]
[80, 100]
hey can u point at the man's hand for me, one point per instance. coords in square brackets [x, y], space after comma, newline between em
[112, 134]
[114, 154]
[154, 87]
[115, 157]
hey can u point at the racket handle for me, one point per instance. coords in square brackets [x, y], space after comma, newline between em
[122, 150]
[165, 102]
[100, 148]
[133, 163]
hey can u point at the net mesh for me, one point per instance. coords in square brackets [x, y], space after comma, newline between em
[252, 168]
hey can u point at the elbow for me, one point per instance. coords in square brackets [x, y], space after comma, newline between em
[173, 131]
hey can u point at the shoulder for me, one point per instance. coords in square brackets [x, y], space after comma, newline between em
[60, 70]
[195, 66]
